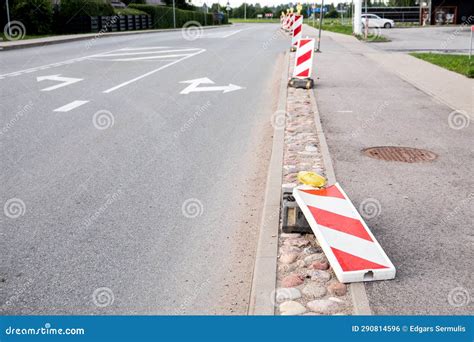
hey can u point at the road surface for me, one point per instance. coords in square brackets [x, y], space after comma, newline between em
[122, 193]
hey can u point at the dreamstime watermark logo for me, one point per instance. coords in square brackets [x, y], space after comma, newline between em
[458, 210]
[458, 119]
[14, 31]
[18, 115]
[102, 31]
[110, 199]
[465, 22]
[370, 208]
[188, 124]
[102, 297]
[370, 120]
[192, 208]
[14, 208]
[103, 119]
[281, 295]
[278, 119]
[458, 297]
[266, 44]
[192, 30]
[373, 33]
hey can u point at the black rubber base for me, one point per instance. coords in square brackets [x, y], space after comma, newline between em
[304, 83]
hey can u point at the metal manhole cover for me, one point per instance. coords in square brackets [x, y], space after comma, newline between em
[401, 154]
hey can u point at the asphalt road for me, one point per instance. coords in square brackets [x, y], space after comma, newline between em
[452, 39]
[134, 198]
[421, 213]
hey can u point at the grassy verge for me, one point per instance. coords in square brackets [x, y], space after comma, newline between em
[337, 27]
[260, 21]
[456, 63]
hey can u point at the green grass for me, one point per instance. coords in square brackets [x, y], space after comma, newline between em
[335, 25]
[4, 39]
[260, 21]
[457, 63]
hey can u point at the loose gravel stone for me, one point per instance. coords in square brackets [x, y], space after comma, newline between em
[286, 268]
[284, 294]
[298, 242]
[318, 275]
[291, 308]
[292, 280]
[288, 258]
[325, 306]
[338, 289]
[290, 249]
[313, 257]
[314, 290]
[319, 265]
[312, 250]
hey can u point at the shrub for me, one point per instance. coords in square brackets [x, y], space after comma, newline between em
[72, 8]
[162, 16]
[36, 15]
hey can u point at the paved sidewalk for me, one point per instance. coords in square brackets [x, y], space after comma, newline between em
[25, 43]
[424, 211]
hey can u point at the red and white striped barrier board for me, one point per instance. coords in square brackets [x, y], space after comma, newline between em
[297, 30]
[304, 58]
[289, 23]
[351, 248]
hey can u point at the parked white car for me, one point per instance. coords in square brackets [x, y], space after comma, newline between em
[376, 21]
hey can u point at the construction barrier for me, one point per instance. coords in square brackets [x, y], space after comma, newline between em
[297, 30]
[351, 248]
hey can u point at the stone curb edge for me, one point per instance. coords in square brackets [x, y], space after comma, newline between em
[357, 290]
[86, 36]
[265, 270]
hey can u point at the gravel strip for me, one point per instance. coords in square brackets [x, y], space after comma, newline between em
[306, 285]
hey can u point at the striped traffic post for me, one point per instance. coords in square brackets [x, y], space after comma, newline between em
[297, 30]
[351, 248]
[301, 77]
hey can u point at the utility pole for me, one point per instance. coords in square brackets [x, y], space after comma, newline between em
[357, 17]
[245, 11]
[320, 24]
[8, 19]
[366, 28]
[174, 15]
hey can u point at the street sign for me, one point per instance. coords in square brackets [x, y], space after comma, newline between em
[194, 86]
[268, 15]
[351, 248]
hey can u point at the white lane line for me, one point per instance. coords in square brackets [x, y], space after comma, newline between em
[151, 72]
[145, 48]
[344, 111]
[145, 58]
[231, 34]
[70, 106]
[52, 65]
[147, 52]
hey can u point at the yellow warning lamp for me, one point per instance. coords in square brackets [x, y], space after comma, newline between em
[311, 178]
[299, 7]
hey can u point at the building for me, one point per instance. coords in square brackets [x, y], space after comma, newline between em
[446, 12]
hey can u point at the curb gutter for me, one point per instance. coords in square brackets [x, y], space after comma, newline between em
[357, 290]
[21, 44]
[265, 270]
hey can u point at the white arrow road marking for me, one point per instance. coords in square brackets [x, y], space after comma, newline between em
[193, 86]
[65, 81]
[152, 72]
[70, 106]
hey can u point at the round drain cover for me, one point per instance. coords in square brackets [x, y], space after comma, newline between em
[401, 154]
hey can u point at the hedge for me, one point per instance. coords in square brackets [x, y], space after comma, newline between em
[71, 8]
[162, 16]
[36, 15]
